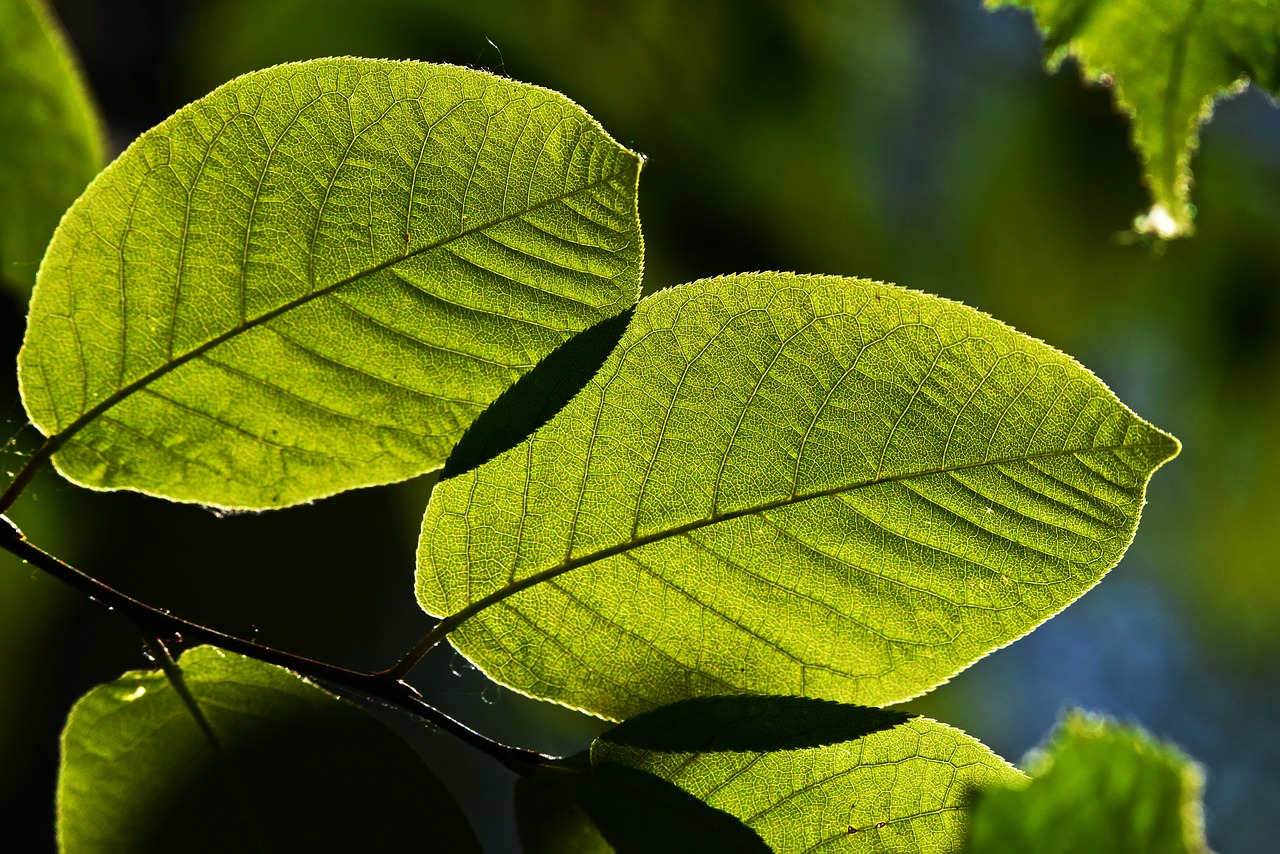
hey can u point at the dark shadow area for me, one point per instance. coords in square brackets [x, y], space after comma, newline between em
[537, 396]
[629, 810]
[709, 724]
[326, 781]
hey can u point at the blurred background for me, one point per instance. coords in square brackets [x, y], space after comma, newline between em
[915, 142]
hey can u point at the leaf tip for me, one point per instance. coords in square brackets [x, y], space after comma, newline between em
[1168, 446]
[1158, 221]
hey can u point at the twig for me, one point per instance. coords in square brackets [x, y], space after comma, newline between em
[28, 471]
[391, 690]
[156, 647]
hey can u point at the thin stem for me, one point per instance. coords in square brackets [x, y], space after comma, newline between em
[442, 629]
[390, 690]
[428, 642]
[26, 473]
[173, 673]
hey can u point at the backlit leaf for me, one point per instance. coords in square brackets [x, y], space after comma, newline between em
[50, 136]
[316, 277]
[1169, 61]
[788, 485]
[1097, 786]
[810, 775]
[296, 769]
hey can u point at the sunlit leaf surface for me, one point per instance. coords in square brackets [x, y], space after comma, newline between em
[296, 769]
[1169, 60]
[810, 775]
[315, 278]
[789, 485]
[50, 136]
[1097, 786]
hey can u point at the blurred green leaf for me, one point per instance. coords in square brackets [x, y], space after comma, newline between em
[297, 769]
[792, 485]
[1096, 786]
[316, 277]
[811, 775]
[51, 141]
[1168, 62]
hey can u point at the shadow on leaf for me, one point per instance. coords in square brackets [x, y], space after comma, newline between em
[330, 780]
[756, 724]
[536, 396]
[615, 808]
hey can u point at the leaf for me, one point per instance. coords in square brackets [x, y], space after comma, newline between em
[811, 775]
[300, 770]
[51, 141]
[613, 808]
[315, 278]
[1097, 786]
[790, 485]
[1169, 62]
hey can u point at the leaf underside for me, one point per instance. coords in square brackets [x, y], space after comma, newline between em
[790, 485]
[296, 769]
[51, 141]
[1168, 61]
[1096, 786]
[810, 775]
[316, 277]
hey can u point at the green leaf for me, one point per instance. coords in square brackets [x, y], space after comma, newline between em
[789, 485]
[296, 769]
[613, 808]
[51, 141]
[316, 277]
[1169, 62]
[810, 775]
[1097, 786]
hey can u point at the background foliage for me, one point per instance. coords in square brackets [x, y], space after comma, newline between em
[51, 141]
[1069, 804]
[917, 142]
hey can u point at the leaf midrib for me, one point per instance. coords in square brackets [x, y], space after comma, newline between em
[57, 439]
[1173, 94]
[451, 622]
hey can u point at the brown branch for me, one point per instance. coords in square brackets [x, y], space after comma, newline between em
[161, 624]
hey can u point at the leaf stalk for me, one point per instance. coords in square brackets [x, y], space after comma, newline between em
[28, 471]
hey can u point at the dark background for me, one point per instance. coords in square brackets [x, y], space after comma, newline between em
[915, 142]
